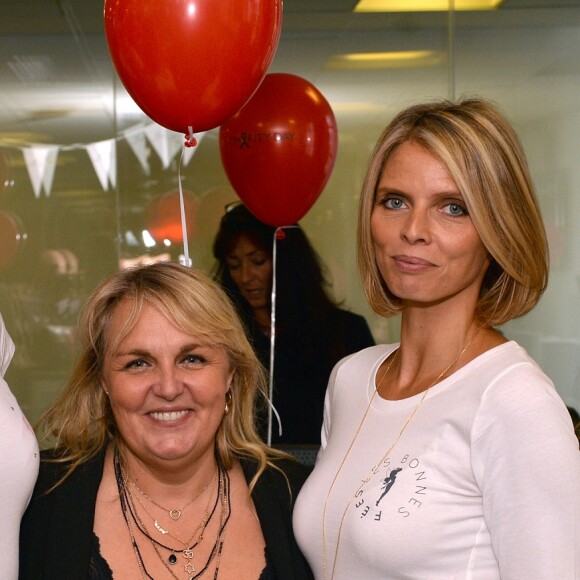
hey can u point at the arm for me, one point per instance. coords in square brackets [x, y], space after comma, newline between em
[526, 462]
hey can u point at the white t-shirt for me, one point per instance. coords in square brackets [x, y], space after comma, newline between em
[483, 484]
[19, 459]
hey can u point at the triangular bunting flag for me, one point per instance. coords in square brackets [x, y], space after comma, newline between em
[104, 158]
[166, 143]
[135, 137]
[41, 164]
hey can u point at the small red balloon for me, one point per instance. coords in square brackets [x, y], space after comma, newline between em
[163, 217]
[192, 63]
[278, 151]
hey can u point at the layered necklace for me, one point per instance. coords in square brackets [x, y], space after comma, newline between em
[134, 521]
[375, 468]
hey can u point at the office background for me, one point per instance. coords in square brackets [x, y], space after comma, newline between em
[71, 214]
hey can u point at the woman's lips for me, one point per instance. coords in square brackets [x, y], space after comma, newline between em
[168, 415]
[412, 263]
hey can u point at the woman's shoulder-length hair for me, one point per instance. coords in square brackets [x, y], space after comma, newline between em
[80, 422]
[485, 159]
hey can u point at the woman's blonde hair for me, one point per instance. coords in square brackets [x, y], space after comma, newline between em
[485, 159]
[80, 422]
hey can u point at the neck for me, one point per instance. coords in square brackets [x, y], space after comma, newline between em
[430, 351]
[166, 481]
[262, 318]
[428, 333]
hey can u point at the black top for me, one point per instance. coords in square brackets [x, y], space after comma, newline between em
[57, 539]
[302, 367]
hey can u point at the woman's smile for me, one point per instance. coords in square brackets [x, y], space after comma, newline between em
[166, 388]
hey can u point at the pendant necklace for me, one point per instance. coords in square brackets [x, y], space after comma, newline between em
[174, 513]
[222, 498]
[375, 468]
[201, 526]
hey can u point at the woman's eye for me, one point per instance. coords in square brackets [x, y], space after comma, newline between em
[393, 203]
[454, 209]
[136, 364]
[192, 359]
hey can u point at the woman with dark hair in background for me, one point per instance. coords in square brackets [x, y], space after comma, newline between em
[312, 332]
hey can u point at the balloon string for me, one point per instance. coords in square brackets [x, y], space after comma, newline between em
[189, 143]
[273, 343]
[278, 235]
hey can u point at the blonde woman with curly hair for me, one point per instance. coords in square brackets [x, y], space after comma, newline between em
[156, 469]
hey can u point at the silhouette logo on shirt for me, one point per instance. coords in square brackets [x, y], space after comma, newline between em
[406, 499]
[388, 482]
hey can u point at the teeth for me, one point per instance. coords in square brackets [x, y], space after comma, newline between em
[170, 416]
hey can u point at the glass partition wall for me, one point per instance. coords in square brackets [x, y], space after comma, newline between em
[88, 184]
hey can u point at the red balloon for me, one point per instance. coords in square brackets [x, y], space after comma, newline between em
[163, 217]
[192, 63]
[278, 151]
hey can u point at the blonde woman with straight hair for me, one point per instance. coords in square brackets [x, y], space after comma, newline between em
[448, 454]
[156, 469]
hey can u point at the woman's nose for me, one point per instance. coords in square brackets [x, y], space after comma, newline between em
[168, 384]
[247, 272]
[416, 227]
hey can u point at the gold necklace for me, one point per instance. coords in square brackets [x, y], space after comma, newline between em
[201, 526]
[174, 514]
[129, 512]
[374, 469]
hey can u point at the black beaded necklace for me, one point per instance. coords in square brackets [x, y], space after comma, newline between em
[129, 513]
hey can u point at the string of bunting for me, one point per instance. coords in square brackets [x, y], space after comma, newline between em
[41, 159]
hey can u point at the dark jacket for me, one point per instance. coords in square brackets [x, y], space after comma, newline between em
[56, 531]
[302, 367]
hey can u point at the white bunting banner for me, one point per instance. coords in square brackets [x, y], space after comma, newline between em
[41, 159]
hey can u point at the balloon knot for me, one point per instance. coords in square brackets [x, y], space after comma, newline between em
[190, 140]
[280, 235]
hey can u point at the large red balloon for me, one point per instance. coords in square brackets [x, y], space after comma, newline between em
[192, 63]
[278, 151]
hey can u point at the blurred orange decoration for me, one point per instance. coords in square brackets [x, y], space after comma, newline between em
[163, 217]
[11, 238]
